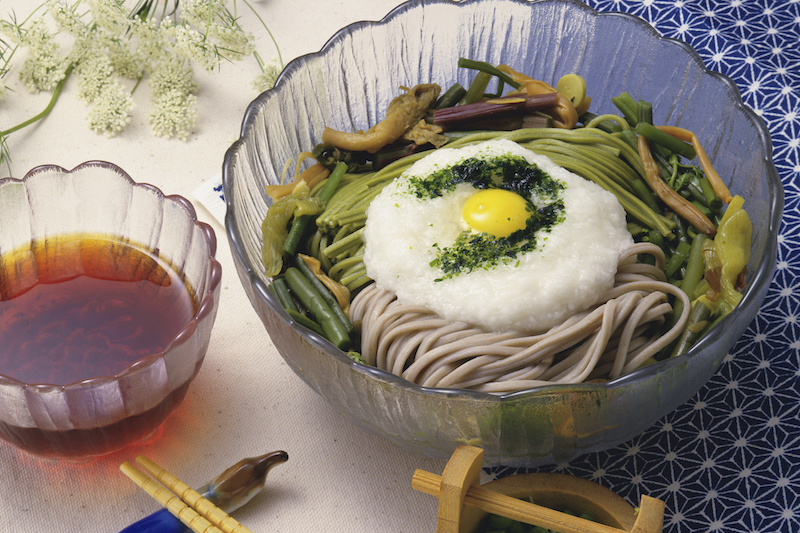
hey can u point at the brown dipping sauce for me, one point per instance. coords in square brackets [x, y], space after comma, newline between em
[78, 307]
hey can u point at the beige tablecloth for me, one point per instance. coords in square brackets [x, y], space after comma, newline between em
[245, 400]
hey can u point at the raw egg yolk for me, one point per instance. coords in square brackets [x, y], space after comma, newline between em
[497, 212]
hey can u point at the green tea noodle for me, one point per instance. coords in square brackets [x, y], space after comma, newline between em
[619, 334]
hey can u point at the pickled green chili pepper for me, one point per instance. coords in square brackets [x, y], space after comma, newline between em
[275, 230]
[732, 244]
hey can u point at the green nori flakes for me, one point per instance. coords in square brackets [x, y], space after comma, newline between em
[473, 251]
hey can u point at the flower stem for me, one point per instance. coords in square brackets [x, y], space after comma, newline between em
[280, 59]
[46, 111]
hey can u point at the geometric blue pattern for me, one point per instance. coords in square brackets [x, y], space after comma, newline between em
[728, 460]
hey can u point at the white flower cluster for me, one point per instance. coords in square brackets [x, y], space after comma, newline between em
[223, 37]
[111, 110]
[172, 87]
[266, 80]
[109, 15]
[110, 45]
[66, 18]
[45, 67]
[111, 103]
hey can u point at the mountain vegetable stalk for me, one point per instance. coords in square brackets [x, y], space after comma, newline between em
[334, 330]
[326, 294]
[668, 195]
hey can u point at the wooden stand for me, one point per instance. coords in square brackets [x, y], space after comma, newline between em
[463, 503]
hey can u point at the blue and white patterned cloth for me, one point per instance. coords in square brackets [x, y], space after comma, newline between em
[729, 459]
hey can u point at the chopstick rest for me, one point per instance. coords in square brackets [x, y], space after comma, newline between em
[189, 506]
[458, 487]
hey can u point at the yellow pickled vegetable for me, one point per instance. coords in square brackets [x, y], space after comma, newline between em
[573, 88]
[726, 258]
[275, 226]
[732, 244]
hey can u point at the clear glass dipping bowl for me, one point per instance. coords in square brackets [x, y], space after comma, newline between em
[348, 86]
[101, 414]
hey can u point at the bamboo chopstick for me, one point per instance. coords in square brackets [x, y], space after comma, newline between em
[186, 504]
[194, 499]
[173, 504]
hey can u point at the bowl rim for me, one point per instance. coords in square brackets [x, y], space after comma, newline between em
[758, 281]
[205, 302]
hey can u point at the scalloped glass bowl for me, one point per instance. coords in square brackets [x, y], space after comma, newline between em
[101, 414]
[348, 85]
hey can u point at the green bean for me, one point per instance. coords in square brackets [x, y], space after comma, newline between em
[326, 294]
[627, 106]
[348, 178]
[677, 259]
[656, 238]
[703, 209]
[666, 140]
[332, 183]
[312, 300]
[450, 97]
[303, 320]
[644, 115]
[694, 192]
[281, 291]
[477, 88]
[695, 267]
[488, 68]
[681, 227]
[635, 229]
[644, 112]
[713, 201]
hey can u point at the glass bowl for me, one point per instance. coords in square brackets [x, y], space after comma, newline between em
[70, 416]
[348, 85]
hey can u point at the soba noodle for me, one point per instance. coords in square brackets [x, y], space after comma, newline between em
[604, 342]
